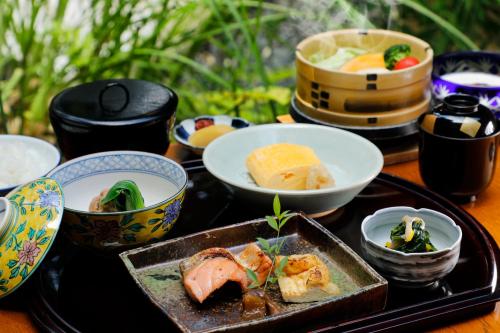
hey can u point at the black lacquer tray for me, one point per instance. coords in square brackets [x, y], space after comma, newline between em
[75, 291]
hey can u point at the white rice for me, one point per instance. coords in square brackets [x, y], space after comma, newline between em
[20, 163]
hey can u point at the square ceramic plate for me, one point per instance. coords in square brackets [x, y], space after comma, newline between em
[155, 268]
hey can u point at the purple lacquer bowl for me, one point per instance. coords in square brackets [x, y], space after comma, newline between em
[470, 61]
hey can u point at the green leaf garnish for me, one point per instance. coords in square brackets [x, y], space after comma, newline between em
[253, 277]
[279, 270]
[276, 222]
[272, 222]
[284, 220]
[264, 244]
[277, 206]
[124, 195]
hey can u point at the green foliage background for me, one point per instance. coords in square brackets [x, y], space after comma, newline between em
[221, 56]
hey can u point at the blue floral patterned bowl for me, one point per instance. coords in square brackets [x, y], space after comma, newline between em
[161, 181]
[187, 127]
[472, 73]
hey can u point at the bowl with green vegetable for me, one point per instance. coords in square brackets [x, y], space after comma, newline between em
[412, 247]
[120, 199]
[359, 77]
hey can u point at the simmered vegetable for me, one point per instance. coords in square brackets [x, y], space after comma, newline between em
[395, 53]
[371, 62]
[410, 236]
[406, 62]
[354, 60]
[343, 55]
[123, 196]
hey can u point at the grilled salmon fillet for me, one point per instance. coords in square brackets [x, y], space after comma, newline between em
[209, 270]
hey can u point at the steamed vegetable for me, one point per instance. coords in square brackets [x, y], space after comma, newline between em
[123, 196]
[370, 62]
[395, 53]
[336, 61]
[410, 236]
[406, 62]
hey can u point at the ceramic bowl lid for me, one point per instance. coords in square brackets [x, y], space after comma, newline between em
[30, 216]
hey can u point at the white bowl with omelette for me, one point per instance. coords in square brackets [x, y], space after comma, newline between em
[312, 168]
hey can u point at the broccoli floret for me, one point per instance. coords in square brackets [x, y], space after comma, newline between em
[395, 53]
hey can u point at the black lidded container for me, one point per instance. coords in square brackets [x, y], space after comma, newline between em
[458, 147]
[121, 114]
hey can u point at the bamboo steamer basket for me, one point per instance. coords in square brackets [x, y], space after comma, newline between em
[372, 100]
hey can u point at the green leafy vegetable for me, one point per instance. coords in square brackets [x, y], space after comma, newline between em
[414, 240]
[124, 196]
[395, 53]
[273, 251]
[343, 55]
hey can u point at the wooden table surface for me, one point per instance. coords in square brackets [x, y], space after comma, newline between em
[15, 319]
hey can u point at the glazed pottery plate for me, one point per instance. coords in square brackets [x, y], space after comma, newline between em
[352, 161]
[30, 216]
[187, 127]
[155, 268]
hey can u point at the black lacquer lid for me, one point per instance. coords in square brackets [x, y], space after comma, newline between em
[460, 116]
[114, 103]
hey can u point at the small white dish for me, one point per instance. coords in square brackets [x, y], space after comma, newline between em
[352, 161]
[411, 269]
[187, 127]
[42, 154]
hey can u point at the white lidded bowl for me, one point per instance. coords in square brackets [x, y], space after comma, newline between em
[352, 161]
[411, 269]
[43, 155]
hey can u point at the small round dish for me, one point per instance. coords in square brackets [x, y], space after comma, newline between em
[225, 159]
[30, 151]
[161, 181]
[411, 269]
[187, 127]
[459, 72]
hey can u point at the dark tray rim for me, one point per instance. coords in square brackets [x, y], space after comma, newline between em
[429, 312]
[426, 313]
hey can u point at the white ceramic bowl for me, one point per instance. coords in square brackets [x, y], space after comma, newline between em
[411, 269]
[352, 160]
[44, 155]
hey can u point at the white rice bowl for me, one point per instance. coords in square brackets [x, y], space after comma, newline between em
[23, 159]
